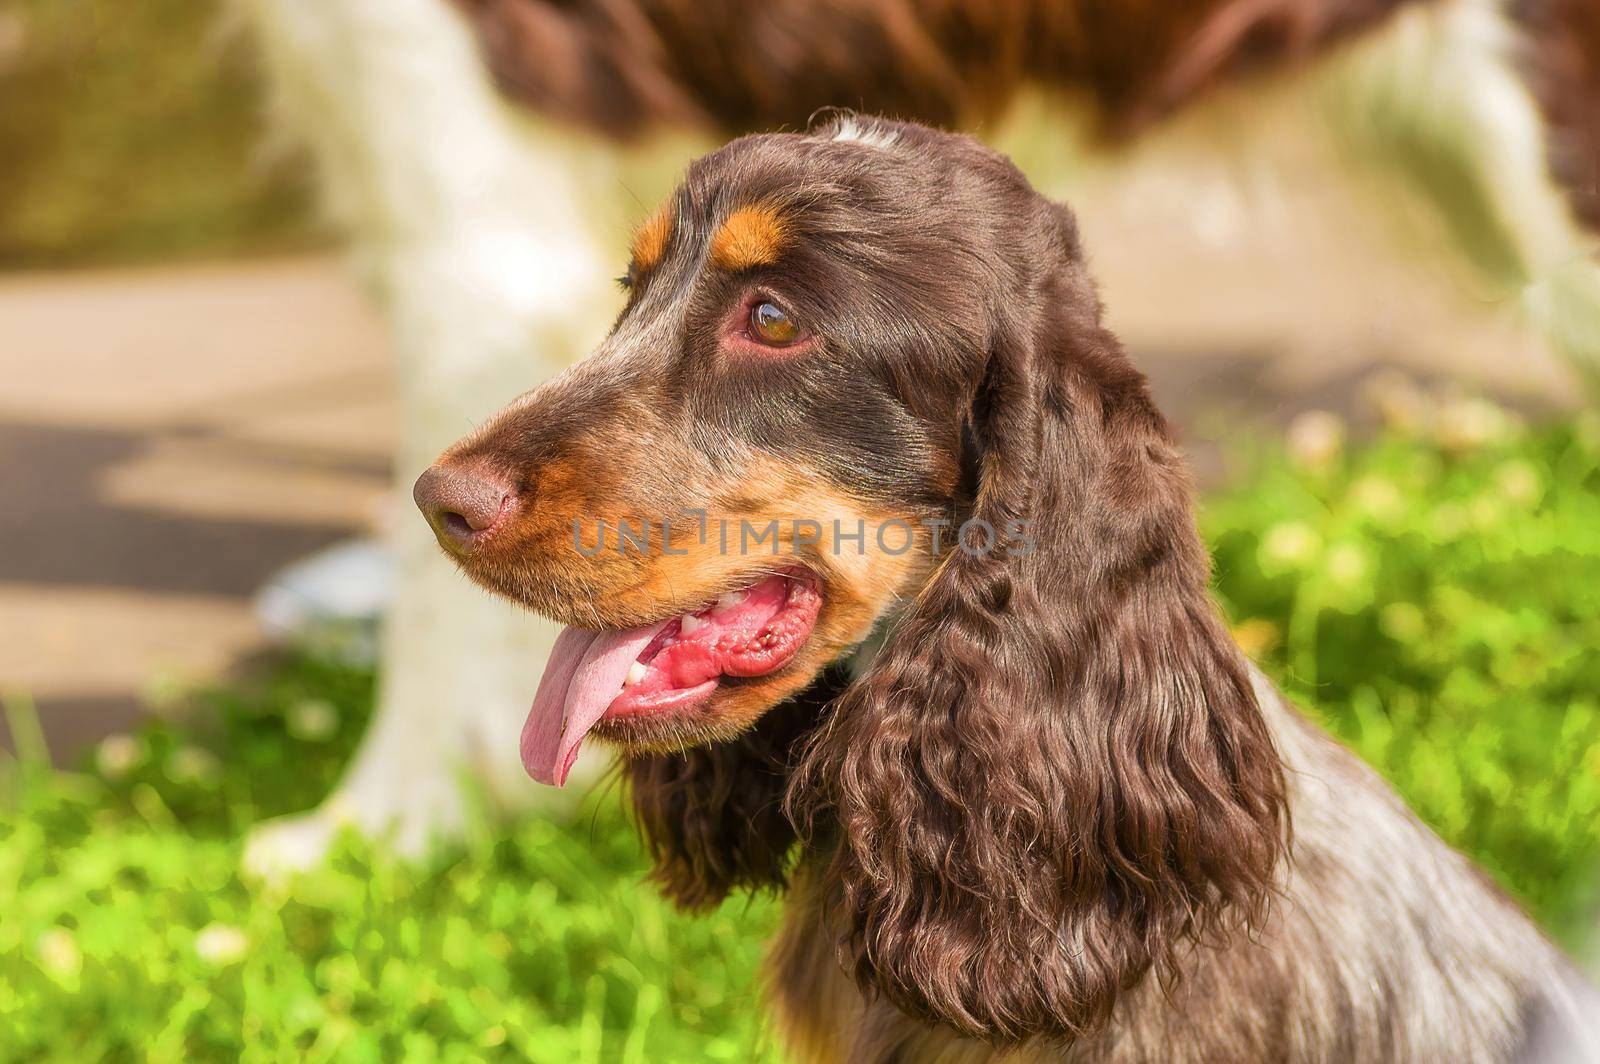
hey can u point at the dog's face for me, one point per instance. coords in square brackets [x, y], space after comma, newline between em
[760, 458]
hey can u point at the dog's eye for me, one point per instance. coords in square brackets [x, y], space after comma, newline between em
[770, 324]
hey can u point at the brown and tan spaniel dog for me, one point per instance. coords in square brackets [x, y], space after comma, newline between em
[883, 576]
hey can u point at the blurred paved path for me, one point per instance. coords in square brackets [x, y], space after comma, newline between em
[169, 437]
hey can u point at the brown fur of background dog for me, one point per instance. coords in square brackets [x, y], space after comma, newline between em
[628, 66]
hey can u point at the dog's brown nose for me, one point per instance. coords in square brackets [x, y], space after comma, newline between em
[462, 506]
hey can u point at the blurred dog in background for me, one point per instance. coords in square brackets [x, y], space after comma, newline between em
[485, 229]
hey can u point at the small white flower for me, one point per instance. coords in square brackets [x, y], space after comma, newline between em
[190, 764]
[313, 720]
[1316, 440]
[1450, 520]
[59, 954]
[1467, 424]
[1402, 622]
[1397, 400]
[221, 944]
[1518, 481]
[117, 755]
[1346, 564]
[1486, 511]
[1377, 497]
[1289, 545]
[1256, 636]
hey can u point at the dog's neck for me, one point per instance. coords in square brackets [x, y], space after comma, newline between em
[859, 659]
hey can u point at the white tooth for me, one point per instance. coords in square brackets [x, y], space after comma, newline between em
[636, 673]
[729, 601]
[691, 624]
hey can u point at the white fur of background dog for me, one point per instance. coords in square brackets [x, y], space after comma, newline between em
[489, 238]
[479, 236]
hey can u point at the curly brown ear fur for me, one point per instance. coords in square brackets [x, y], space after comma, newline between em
[713, 817]
[1055, 771]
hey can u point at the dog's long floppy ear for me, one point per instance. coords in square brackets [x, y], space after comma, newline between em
[1055, 770]
[713, 816]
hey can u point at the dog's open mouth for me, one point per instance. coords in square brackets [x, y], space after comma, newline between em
[664, 667]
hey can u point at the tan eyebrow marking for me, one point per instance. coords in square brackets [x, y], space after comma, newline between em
[752, 236]
[651, 240]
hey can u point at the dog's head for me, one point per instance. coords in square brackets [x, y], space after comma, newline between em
[861, 382]
[751, 470]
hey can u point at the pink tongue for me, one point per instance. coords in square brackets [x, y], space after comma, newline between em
[584, 674]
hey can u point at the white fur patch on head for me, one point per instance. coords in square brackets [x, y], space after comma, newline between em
[853, 129]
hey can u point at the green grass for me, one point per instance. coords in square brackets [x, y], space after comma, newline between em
[130, 933]
[1436, 595]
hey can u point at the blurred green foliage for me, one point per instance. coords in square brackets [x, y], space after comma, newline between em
[134, 131]
[1435, 595]
[1434, 599]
